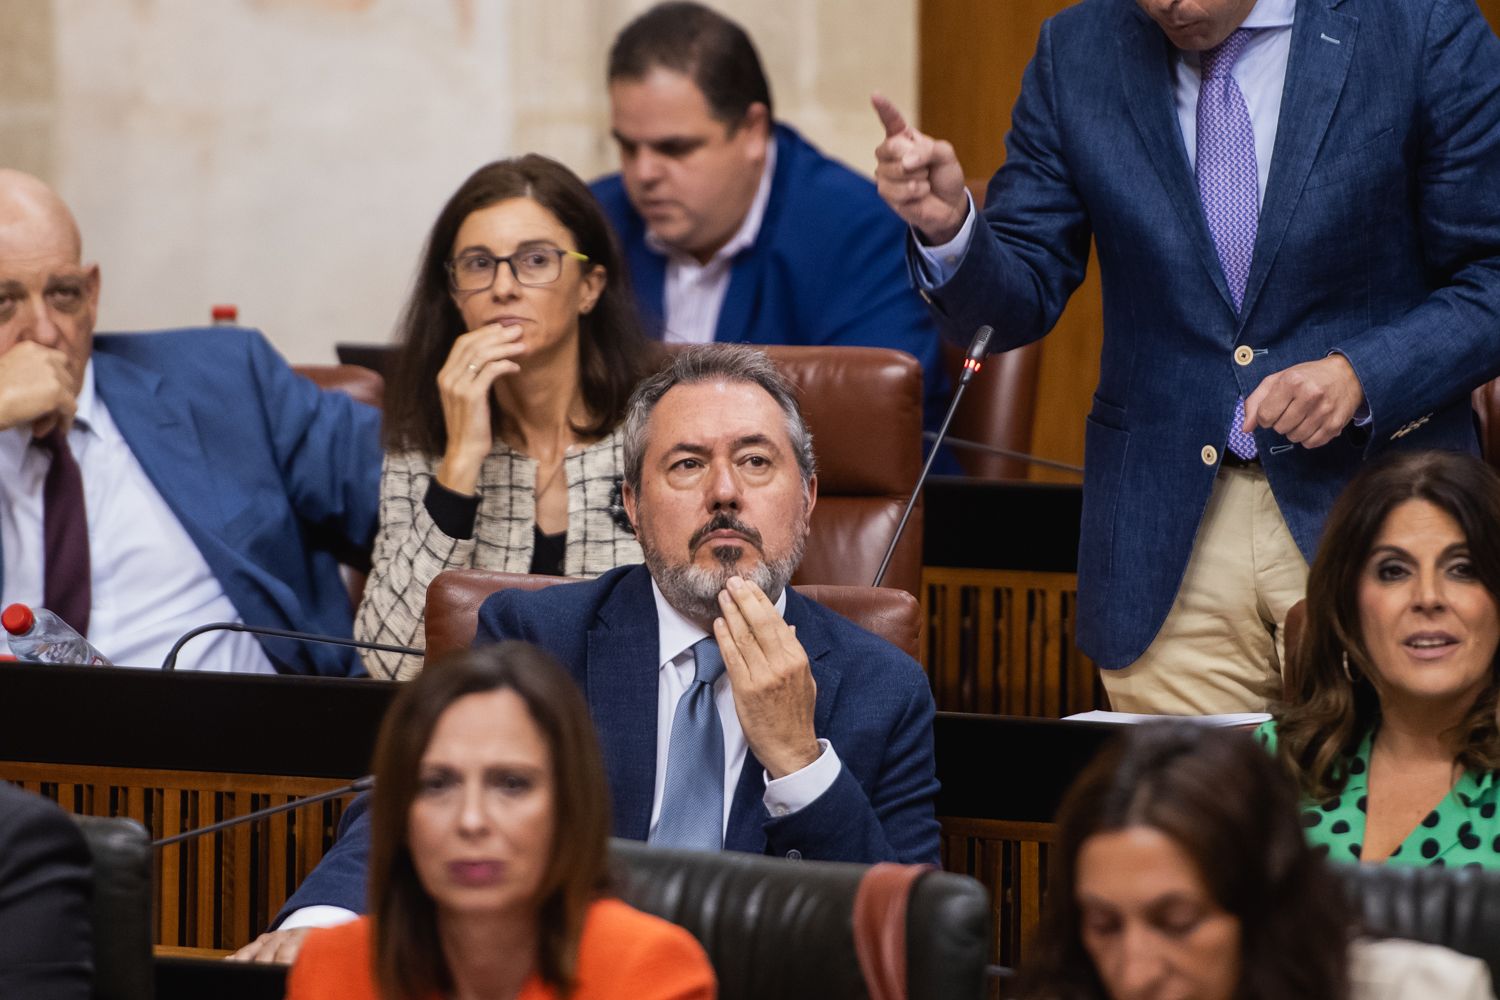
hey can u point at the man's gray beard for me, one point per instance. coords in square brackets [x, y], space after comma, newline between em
[694, 590]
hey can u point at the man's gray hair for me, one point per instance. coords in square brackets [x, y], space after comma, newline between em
[715, 363]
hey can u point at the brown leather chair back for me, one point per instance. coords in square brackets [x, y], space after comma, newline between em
[864, 407]
[999, 407]
[1487, 412]
[454, 596]
[362, 384]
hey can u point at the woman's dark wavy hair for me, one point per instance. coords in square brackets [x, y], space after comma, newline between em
[408, 959]
[1326, 716]
[613, 353]
[1223, 800]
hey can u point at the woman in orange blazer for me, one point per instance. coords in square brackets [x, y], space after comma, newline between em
[487, 869]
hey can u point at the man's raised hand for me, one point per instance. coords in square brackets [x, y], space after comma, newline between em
[36, 388]
[919, 176]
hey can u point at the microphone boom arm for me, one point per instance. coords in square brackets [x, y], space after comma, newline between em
[170, 663]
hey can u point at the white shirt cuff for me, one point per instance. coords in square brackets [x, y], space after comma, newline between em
[787, 794]
[935, 265]
[317, 916]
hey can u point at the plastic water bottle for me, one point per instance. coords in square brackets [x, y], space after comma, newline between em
[39, 636]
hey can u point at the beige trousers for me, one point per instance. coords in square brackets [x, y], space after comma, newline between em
[1220, 648]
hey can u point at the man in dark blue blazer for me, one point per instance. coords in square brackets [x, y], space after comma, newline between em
[226, 483]
[817, 734]
[1352, 308]
[735, 227]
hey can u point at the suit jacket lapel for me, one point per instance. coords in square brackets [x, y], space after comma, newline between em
[648, 274]
[623, 649]
[1322, 48]
[740, 313]
[1146, 73]
[164, 439]
[747, 815]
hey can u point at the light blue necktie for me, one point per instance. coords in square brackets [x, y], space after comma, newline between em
[1228, 183]
[692, 803]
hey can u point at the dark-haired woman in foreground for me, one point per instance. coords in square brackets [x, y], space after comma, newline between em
[487, 866]
[518, 350]
[1390, 728]
[1181, 873]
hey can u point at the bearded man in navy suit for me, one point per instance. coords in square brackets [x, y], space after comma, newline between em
[819, 734]
[1298, 226]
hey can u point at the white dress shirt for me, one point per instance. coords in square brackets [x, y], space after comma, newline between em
[150, 583]
[784, 795]
[1261, 75]
[693, 293]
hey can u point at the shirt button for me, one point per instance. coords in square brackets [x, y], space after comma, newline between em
[781, 810]
[1243, 355]
[1210, 454]
[794, 855]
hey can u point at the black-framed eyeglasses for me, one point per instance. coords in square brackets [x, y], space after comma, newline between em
[475, 272]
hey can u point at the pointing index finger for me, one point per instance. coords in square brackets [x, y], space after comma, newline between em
[892, 119]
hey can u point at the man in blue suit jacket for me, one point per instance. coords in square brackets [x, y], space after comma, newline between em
[1367, 310]
[232, 457]
[821, 733]
[737, 229]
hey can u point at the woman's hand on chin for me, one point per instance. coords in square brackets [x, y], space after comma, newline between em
[477, 360]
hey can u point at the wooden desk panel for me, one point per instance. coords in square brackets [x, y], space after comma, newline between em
[221, 890]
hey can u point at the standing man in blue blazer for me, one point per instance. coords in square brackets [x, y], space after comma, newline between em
[152, 483]
[733, 712]
[736, 229]
[1296, 205]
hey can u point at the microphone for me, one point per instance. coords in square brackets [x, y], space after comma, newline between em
[973, 359]
[358, 785]
[170, 663]
[1020, 456]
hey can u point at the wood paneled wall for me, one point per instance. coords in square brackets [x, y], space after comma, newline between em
[972, 54]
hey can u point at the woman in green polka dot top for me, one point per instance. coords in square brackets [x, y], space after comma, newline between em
[1390, 727]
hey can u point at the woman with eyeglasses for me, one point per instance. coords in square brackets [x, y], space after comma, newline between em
[519, 347]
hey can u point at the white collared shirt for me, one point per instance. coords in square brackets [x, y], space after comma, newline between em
[150, 583]
[784, 795]
[693, 293]
[1261, 75]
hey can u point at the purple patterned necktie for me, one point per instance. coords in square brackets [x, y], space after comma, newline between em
[1227, 183]
[66, 586]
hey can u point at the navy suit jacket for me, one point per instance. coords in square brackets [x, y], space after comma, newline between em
[271, 477]
[1379, 238]
[825, 269]
[46, 876]
[874, 707]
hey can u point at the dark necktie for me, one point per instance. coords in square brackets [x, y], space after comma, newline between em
[65, 535]
[1228, 183]
[692, 800]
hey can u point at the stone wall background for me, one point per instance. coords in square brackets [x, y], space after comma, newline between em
[287, 156]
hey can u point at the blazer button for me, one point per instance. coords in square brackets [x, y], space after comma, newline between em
[794, 855]
[1243, 355]
[1210, 454]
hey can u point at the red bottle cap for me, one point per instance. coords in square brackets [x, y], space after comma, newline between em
[226, 314]
[17, 619]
